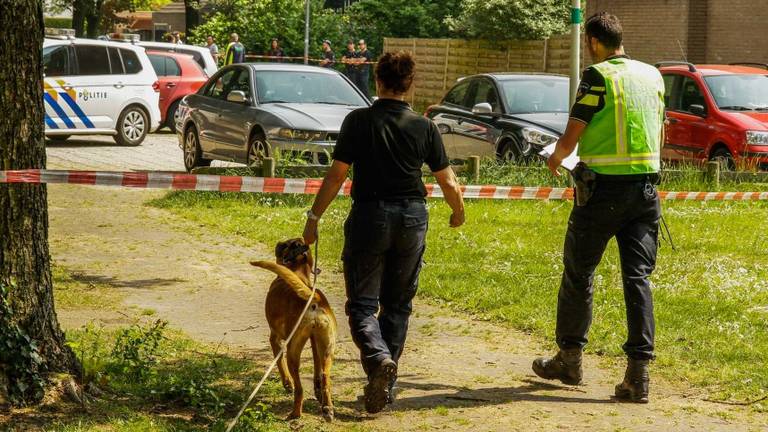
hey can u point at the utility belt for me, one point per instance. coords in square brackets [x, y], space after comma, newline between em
[586, 180]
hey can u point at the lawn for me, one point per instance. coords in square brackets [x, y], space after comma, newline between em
[711, 293]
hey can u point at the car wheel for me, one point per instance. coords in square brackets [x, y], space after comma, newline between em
[193, 153]
[724, 158]
[257, 150]
[58, 138]
[509, 152]
[132, 126]
[172, 116]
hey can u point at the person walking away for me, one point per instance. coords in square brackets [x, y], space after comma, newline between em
[350, 61]
[364, 60]
[275, 51]
[618, 118]
[329, 58]
[213, 48]
[386, 145]
[235, 52]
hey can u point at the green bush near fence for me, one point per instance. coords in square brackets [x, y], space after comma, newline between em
[65, 23]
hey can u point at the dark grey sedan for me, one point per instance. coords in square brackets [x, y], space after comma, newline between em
[248, 111]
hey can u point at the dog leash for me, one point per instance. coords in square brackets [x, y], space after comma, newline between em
[285, 343]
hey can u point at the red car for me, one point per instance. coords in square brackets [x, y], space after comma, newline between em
[716, 112]
[179, 75]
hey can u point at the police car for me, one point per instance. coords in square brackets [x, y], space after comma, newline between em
[94, 87]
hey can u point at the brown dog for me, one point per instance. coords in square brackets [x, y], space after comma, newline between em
[286, 299]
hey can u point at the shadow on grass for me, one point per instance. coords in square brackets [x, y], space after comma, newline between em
[117, 283]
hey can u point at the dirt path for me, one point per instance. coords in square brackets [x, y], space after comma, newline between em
[457, 373]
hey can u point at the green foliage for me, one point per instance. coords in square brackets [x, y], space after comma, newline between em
[20, 359]
[511, 19]
[51, 22]
[136, 349]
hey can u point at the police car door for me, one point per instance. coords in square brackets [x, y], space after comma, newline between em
[94, 92]
[58, 66]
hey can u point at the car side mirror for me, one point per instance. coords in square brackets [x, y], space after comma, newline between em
[483, 108]
[237, 96]
[698, 110]
[374, 98]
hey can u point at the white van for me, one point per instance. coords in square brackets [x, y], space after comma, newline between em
[202, 55]
[97, 87]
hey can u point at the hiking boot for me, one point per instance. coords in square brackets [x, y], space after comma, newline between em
[565, 366]
[378, 388]
[392, 392]
[634, 388]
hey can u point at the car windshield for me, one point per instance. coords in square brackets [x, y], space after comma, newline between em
[535, 95]
[305, 87]
[739, 92]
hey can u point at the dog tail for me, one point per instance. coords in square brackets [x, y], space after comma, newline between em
[299, 287]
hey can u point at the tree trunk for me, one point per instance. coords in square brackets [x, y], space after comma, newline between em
[24, 255]
[93, 19]
[78, 17]
[191, 15]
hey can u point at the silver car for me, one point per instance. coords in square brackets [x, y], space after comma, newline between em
[248, 111]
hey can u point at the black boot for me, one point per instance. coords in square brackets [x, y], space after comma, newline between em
[378, 388]
[565, 366]
[634, 388]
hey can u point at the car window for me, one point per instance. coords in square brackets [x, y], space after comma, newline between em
[669, 85]
[739, 92]
[486, 93]
[56, 61]
[92, 60]
[116, 65]
[534, 95]
[222, 85]
[130, 61]
[243, 82]
[458, 94]
[306, 87]
[158, 64]
[171, 67]
[690, 94]
[195, 55]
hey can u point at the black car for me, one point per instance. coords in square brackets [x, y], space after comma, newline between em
[507, 116]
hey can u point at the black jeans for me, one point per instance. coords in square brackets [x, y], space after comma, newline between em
[622, 210]
[383, 252]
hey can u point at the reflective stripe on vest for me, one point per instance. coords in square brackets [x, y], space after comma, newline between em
[625, 136]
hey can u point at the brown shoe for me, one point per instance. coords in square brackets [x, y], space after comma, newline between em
[634, 388]
[565, 366]
[378, 388]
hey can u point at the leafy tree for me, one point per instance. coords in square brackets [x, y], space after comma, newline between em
[511, 19]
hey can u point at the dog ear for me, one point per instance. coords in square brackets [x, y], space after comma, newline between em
[280, 249]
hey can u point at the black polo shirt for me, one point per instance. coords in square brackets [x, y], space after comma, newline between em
[387, 144]
[365, 69]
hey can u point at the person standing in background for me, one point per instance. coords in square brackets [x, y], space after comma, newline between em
[364, 58]
[329, 58]
[350, 62]
[213, 48]
[235, 51]
[275, 51]
[177, 38]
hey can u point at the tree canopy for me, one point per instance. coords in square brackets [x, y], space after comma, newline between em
[511, 19]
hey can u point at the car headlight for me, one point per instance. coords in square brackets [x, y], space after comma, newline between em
[301, 135]
[757, 138]
[538, 137]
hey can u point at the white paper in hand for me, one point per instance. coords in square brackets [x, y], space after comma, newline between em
[569, 163]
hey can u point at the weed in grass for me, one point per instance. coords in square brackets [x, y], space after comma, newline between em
[442, 411]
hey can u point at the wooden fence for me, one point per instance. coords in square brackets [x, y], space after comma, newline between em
[440, 62]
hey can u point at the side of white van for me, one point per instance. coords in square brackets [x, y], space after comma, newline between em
[99, 88]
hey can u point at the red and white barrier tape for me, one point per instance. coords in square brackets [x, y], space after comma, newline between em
[216, 183]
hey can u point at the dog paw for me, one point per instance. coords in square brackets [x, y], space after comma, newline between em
[328, 414]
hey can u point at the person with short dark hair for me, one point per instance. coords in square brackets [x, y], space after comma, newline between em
[213, 48]
[275, 52]
[235, 52]
[364, 59]
[350, 60]
[618, 121]
[386, 144]
[329, 58]
[177, 38]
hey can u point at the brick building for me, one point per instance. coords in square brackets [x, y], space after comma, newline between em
[703, 31]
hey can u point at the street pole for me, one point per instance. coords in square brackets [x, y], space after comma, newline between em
[306, 32]
[576, 18]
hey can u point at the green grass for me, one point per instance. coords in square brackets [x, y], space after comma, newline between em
[74, 290]
[711, 295]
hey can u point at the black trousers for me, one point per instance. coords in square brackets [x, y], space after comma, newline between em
[629, 211]
[383, 251]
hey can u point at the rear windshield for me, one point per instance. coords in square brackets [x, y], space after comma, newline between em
[535, 95]
[739, 92]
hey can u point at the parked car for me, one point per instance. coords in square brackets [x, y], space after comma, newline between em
[246, 111]
[504, 115]
[95, 87]
[202, 55]
[716, 112]
[179, 75]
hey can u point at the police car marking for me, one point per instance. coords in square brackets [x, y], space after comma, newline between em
[60, 112]
[76, 108]
[49, 121]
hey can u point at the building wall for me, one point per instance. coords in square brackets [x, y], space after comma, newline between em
[654, 30]
[738, 31]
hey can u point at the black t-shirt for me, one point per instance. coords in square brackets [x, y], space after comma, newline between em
[590, 98]
[329, 55]
[365, 69]
[387, 144]
[348, 68]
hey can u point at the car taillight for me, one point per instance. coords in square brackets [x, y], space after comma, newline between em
[156, 86]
